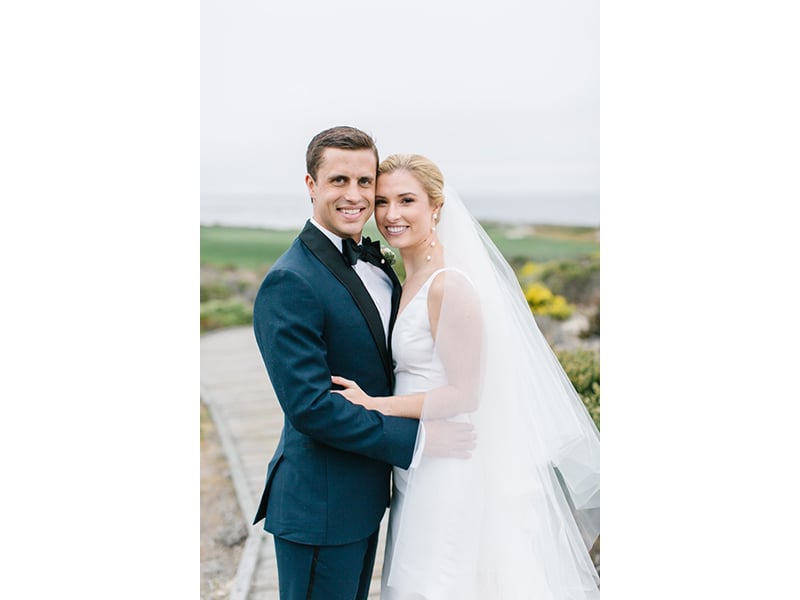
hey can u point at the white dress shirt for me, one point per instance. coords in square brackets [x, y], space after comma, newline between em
[374, 278]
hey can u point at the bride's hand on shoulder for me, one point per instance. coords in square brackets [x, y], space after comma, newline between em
[352, 392]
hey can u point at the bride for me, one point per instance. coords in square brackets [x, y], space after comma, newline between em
[516, 519]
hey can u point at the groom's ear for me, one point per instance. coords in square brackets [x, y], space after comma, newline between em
[310, 184]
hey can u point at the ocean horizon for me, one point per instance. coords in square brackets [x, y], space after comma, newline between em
[292, 211]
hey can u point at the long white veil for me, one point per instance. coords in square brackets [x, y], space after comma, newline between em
[516, 520]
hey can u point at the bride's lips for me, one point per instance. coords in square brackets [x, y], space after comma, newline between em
[396, 229]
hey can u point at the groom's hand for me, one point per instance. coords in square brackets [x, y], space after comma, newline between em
[445, 439]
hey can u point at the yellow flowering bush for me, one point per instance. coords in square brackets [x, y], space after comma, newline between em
[558, 308]
[529, 269]
[537, 295]
[544, 302]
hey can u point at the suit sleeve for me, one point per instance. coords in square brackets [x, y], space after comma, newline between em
[288, 319]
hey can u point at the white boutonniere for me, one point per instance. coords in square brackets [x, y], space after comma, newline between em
[388, 255]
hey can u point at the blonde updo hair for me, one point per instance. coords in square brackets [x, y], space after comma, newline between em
[421, 167]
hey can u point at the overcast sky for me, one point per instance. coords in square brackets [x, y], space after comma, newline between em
[503, 95]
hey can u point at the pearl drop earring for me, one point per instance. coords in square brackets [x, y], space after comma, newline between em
[433, 229]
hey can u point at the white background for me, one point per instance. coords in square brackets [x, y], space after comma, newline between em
[100, 152]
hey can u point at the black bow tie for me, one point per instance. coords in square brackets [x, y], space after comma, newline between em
[368, 251]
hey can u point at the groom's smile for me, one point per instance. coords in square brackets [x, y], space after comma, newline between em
[352, 211]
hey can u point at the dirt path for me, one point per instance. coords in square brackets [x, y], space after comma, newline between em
[222, 529]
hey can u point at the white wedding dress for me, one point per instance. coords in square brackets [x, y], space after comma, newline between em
[437, 558]
[517, 519]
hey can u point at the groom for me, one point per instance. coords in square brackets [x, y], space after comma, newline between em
[318, 315]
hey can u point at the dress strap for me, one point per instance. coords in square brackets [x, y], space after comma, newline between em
[432, 276]
[437, 271]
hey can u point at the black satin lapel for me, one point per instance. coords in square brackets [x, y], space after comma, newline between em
[330, 256]
[393, 276]
[397, 290]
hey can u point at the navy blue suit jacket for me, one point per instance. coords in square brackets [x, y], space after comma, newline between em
[329, 480]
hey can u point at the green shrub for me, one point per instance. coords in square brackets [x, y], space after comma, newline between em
[578, 279]
[215, 291]
[594, 323]
[583, 369]
[224, 313]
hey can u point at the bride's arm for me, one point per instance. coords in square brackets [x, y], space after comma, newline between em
[454, 314]
[409, 405]
[457, 330]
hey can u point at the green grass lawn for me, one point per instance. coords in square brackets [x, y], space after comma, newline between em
[259, 248]
[242, 247]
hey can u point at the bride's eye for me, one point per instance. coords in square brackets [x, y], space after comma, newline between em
[380, 201]
[407, 200]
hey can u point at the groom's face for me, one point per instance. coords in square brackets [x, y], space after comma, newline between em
[343, 192]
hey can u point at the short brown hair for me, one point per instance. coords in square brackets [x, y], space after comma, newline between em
[348, 138]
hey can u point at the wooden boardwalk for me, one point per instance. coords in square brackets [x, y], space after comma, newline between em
[235, 387]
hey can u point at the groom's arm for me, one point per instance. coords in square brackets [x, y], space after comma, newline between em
[288, 320]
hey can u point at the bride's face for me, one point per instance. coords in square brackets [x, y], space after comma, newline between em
[403, 211]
